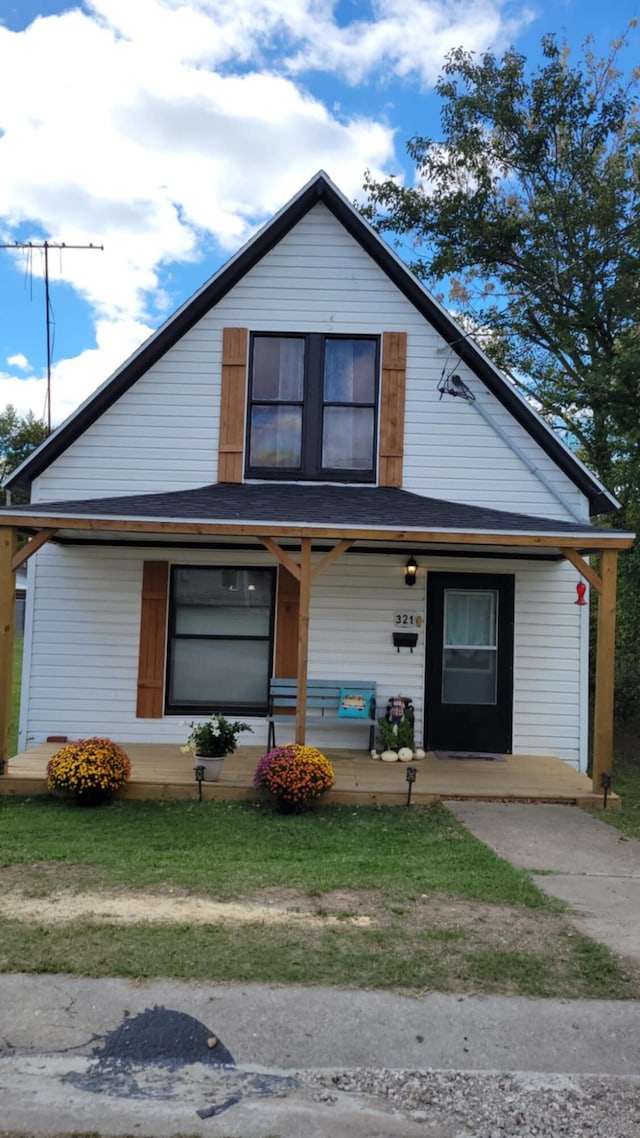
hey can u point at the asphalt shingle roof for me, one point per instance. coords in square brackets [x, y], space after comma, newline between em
[358, 507]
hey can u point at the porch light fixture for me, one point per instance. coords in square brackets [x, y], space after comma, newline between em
[581, 589]
[410, 571]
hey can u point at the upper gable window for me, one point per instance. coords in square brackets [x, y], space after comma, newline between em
[313, 407]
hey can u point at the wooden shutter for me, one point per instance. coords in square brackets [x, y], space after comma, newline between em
[392, 399]
[232, 404]
[153, 633]
[287, 610]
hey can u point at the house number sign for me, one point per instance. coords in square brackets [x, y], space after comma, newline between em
[407, 620]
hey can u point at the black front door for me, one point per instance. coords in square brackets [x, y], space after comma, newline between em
[469, 696]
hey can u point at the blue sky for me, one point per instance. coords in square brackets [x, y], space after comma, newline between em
[168, 130]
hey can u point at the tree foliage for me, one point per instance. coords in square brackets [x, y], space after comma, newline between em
[527, 209]
[19, 436]
[526, 212]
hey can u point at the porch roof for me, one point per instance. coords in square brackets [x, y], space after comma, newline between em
[311, 510]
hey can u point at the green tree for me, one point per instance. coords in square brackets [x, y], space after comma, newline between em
[525, 216]
[526, 212]
[19, 436]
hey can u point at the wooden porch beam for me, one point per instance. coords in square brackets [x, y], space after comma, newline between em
[281, 556]
[584, 569]
[293, 567]
[32, 546]
[605, 670]
[329, 558]
[8, 541]
[303, 638]
[321, 532]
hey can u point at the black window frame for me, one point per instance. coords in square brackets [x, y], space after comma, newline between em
[313, 404]
[206, 707]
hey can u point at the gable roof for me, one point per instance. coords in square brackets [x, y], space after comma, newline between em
[319, 189]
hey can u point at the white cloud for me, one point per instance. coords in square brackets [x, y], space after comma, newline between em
[159, 127]
[145, 153]
[20, 361]
[395, 38]
[406, 38]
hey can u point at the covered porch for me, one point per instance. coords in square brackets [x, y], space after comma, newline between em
[304, 531]
[160, 770]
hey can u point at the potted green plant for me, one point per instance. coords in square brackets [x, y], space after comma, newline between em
[395, 736]
[212, 740]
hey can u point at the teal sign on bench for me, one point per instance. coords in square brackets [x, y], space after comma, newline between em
[354, 704]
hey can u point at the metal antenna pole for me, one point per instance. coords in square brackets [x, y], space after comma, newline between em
[47, 308]
[47, 245]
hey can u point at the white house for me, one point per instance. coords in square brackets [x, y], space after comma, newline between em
[241, 498]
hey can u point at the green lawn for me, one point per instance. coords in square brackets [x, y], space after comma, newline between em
[444, 913]
[231, 849]
[448, 914]
[15, 695]
[626, 782]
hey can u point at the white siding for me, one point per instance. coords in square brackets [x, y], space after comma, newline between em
[84, 652]
[163, 433]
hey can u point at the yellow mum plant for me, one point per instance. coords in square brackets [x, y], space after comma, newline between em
[89, 767]
[294, 775]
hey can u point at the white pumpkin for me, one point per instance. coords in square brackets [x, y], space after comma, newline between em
[389, 756]
[405, 754]
[420, 754]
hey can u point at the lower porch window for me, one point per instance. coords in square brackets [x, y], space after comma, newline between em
[220, 639]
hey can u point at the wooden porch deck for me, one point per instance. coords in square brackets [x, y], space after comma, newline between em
[163, 771]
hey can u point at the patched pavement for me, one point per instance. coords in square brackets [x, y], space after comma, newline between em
[163, 1058]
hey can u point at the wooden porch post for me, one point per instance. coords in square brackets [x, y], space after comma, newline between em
[605, 670]
[8, 542]
[303, 637]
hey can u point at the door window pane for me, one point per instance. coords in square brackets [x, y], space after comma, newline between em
[470, 657]
[347, 438]
[470, 617]
[469, 675]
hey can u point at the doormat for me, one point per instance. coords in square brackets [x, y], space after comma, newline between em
[473, 756]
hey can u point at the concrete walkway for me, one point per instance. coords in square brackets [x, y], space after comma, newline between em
[571, 856]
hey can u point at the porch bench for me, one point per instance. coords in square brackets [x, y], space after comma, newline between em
[325, 704]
